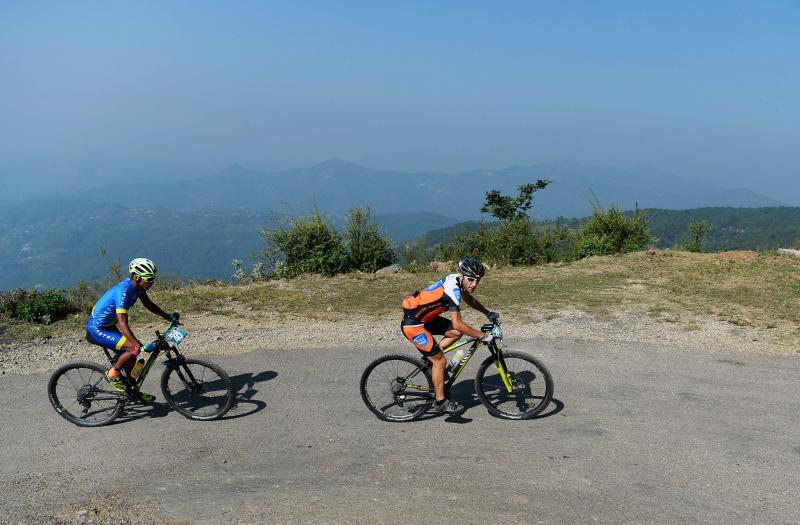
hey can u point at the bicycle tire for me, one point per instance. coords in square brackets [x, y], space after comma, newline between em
[384, 395]
[75, 387]
[492, 393]
[189, 392]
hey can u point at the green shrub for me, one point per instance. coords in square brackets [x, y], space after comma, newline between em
[611, 231]
[367, 250]
[558, 242]
[308, 245]
[416, 256]
[38, 307]
[515, 241]
[477, 243]
[697, 233]
[9, 301]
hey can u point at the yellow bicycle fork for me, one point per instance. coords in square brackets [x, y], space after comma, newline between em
[504, 375]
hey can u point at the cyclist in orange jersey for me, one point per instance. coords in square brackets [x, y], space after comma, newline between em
[422, 320]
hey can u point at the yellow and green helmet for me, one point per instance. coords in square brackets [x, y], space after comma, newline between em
[144, 268]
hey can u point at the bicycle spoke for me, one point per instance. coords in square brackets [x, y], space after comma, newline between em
[198, 390]
[74, 393]
[531, 387]
[396, 389]
[76, 387]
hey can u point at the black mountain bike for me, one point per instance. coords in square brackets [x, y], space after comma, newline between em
[197, 389]
[511, 385]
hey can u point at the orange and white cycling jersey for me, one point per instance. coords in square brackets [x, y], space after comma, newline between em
[425, 305]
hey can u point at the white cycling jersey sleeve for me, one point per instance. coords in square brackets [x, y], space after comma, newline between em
[452, 290]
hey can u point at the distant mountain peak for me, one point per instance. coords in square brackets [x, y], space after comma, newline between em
[337, 164]
[234, 169]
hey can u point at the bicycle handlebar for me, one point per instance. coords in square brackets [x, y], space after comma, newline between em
[488, 327]
[493, 328]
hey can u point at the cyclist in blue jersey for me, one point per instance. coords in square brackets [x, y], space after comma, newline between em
[107, 325]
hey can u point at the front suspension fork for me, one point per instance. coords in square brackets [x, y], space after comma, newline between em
[501, 369]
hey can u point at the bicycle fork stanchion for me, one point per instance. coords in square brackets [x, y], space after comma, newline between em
[504, 376]
[501, 368]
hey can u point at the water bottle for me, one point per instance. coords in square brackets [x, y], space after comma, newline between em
[137, 369]
[456, 359]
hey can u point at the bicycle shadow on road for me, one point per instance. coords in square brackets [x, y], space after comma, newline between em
[136, 411]
[463, 393]
[244, 386]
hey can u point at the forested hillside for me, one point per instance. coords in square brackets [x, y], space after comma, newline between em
[732, 228]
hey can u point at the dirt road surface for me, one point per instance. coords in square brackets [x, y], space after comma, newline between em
[636, 434]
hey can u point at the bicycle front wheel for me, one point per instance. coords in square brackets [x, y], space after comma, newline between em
[397, 388]
[531, 386]
[197, 389]
[79, 392]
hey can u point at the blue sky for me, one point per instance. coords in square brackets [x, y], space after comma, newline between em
[113, 89]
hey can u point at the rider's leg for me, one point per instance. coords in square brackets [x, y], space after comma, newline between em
[437, 374]
[111, 338]
[444, 327]
[424, 342]
[450, 338]
[125, 360]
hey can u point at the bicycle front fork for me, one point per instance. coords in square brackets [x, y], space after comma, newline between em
[505, 376]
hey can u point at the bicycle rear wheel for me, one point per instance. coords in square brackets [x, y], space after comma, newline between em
[531, 386]
[197, 389]
[397, 388]
[79, 392]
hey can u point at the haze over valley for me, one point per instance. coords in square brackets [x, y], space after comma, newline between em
[196, 227]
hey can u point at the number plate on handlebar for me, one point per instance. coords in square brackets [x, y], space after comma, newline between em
[175, 335]
[497, 332]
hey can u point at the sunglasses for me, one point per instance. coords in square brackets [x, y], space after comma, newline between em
[475, 280]
[150, 280]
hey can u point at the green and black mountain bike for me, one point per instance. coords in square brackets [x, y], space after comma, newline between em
[511, 385]
[197, 389]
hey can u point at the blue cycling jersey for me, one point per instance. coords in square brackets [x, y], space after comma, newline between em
[116, 300]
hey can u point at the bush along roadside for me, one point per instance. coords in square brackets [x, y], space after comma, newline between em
[311, 244]
[611, 231]
[37, 307]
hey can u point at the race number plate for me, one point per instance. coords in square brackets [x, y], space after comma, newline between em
[175, 335]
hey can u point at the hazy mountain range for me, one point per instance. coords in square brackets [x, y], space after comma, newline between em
[337, 185]
[195, 227]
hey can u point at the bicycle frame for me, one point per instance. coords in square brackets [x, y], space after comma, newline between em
[496, 352]
[134, 386]
[162, 346]
[475, 342]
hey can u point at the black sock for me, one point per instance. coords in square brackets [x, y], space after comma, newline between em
[440, 402]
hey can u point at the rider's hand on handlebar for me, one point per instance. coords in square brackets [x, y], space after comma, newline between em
[174, 317]
[493, 317]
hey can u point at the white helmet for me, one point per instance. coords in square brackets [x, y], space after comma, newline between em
[144, 268]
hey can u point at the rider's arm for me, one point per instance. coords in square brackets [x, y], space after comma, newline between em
[153, 307]
[461, 326]
[122, 325]
[474, 303]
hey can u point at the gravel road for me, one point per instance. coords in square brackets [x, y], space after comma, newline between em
[637, 434]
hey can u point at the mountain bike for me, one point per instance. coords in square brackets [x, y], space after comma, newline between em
[511, 385]
[195, 388]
